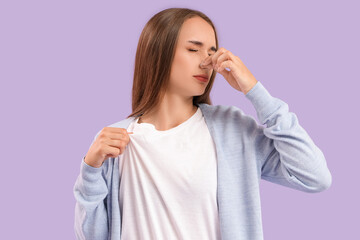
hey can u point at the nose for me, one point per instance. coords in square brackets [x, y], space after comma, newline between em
[207, 66]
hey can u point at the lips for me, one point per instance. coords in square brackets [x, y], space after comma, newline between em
[202, 75]
[202, 79]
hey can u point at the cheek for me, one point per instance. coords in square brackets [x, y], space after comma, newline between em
[183, 65]
[185, 59]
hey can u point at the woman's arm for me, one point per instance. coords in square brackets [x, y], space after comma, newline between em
[90, 191]
[288, 155]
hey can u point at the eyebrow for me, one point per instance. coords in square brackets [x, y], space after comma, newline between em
[202, 44]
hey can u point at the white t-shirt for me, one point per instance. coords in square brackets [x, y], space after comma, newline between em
[168, 182]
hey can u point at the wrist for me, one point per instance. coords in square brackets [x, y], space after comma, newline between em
[91, 163]
[248, 88]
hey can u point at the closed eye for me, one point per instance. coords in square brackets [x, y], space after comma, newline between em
[193, 50]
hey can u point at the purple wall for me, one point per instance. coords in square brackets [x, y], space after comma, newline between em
[66, 72]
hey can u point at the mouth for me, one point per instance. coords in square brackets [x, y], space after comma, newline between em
[202, 77]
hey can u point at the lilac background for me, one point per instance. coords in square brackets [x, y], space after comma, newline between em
[66, 72]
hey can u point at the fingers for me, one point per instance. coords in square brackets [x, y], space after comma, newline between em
[113, 151]
[218, 58]
[213, 58]
[114, 143]
[115, 136]
[207, 63]
[116, 130]
[115, 147]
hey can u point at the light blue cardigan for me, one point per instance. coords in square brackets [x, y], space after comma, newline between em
[282, 153]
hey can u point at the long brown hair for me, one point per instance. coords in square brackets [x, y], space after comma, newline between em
[154, 57]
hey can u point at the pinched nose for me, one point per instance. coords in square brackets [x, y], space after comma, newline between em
[206, 64]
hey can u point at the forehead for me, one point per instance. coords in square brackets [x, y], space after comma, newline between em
[198, 29]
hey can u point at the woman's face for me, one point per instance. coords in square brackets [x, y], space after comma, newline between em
[188, 57]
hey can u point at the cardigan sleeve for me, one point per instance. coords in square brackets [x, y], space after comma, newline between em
[90, 191]
[288, 155]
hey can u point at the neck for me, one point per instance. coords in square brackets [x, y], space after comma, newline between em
[169, 113]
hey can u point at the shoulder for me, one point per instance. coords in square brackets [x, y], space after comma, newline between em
[225, 113]
[124, 123]
[230, 120]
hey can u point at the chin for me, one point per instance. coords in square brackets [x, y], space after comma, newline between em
[199, 93]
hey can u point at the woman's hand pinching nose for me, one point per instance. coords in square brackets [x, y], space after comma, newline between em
[206, 63]
[238, 75]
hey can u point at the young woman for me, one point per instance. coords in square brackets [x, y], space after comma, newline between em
[179, 167]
